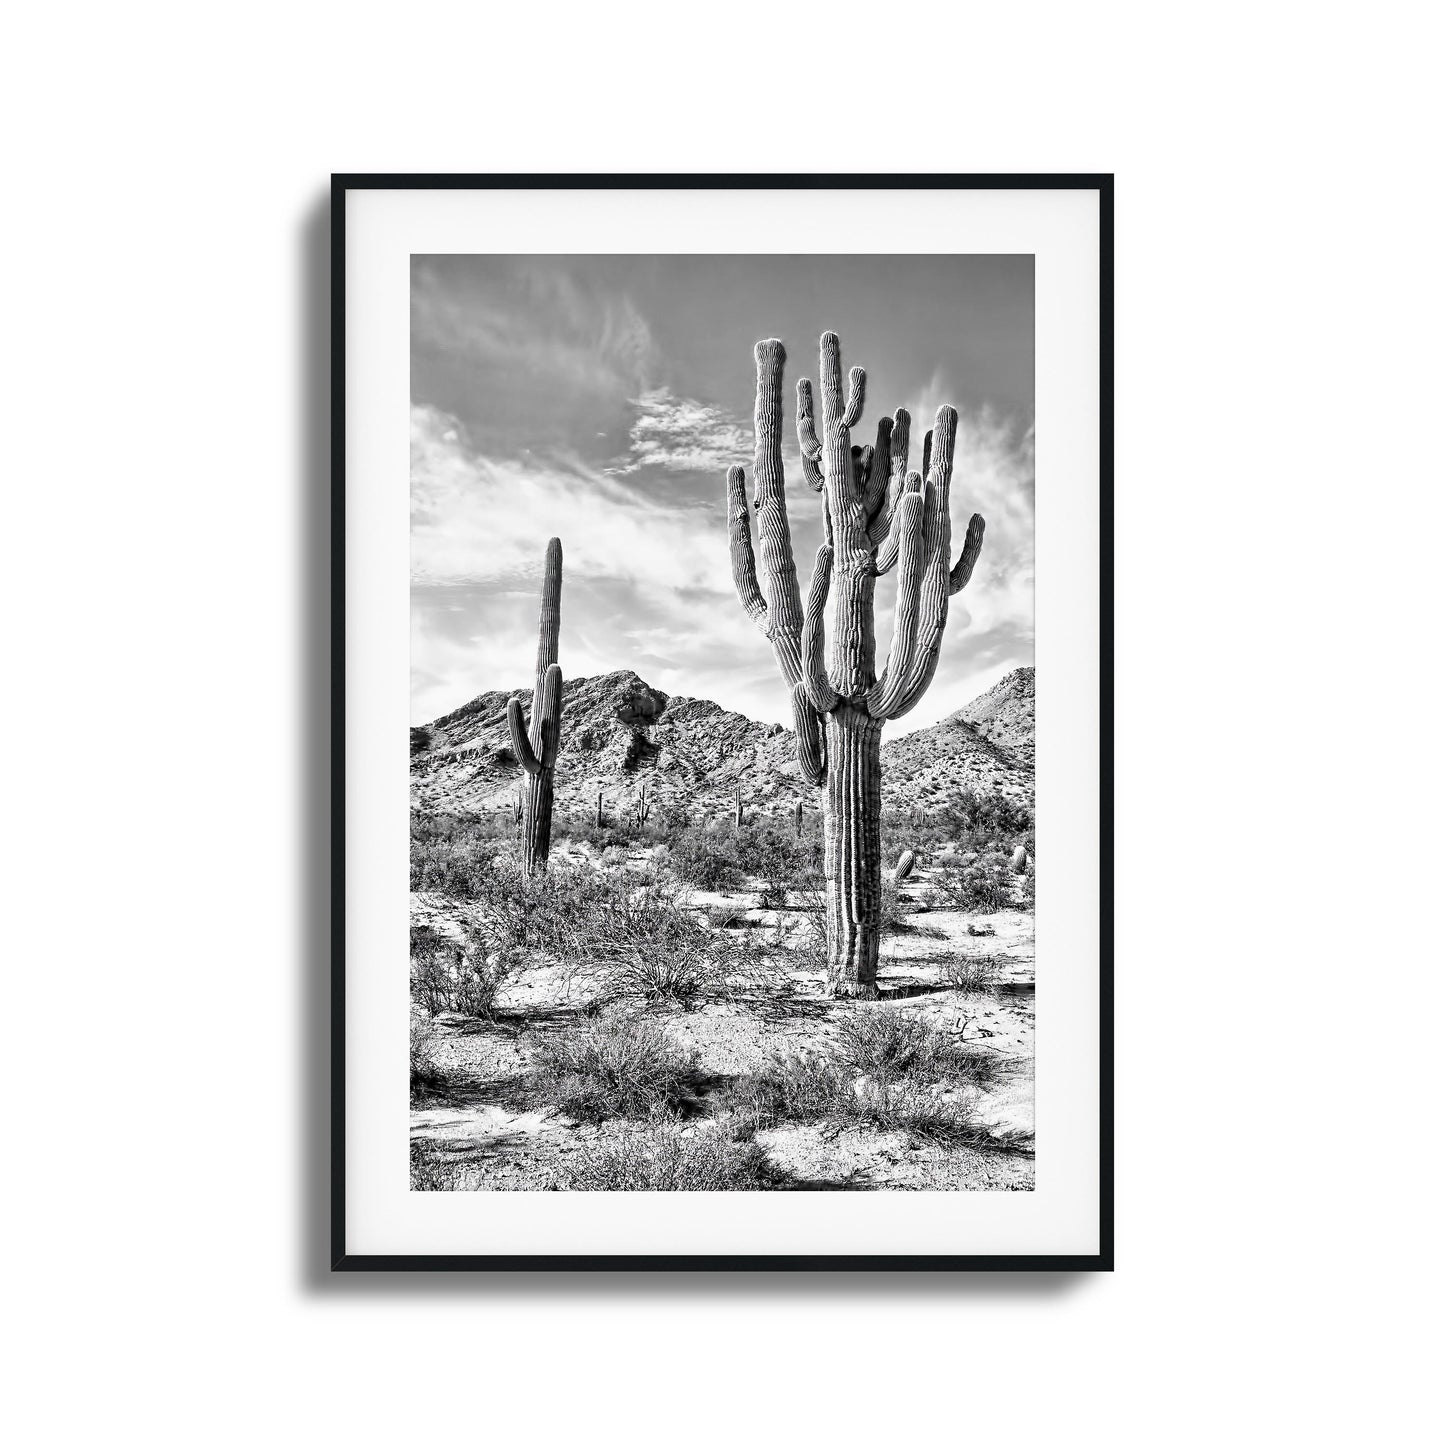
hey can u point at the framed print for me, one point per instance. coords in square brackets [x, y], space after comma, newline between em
[733, 555]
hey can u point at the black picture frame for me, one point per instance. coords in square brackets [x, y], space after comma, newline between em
[341, 1259]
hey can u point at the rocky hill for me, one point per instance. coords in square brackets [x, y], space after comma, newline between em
[1004, 715]
[619, 734]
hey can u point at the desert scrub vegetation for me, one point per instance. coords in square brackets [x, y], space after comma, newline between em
[971, 972]
[615, 1067]
[427, 1073]
[976, 883]
[456, 854]
[460, 975]
[706, 857]
[666, 1156]
[888, 1070]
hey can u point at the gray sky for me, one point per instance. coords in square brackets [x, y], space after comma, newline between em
[601, 399]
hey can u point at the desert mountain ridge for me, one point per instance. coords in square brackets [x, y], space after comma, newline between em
[619, 735]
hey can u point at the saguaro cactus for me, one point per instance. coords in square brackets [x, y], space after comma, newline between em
[537, 749]
[875, 513]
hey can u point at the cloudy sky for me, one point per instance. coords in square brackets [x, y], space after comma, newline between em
[601, 399]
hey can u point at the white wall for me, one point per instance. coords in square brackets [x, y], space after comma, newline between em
[164, 575]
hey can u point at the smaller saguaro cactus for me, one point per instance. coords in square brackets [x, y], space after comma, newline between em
[904, 867]
[1020, 859]
[739, 815]
[517, 810]
[641, 808]
[536, 749]
[599, 807]
[798, 818]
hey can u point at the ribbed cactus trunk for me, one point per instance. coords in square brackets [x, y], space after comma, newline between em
[876, 513]
[853, 846]
[536, 747]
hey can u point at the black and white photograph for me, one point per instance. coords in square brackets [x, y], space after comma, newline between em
[722, 723]
[722, 846]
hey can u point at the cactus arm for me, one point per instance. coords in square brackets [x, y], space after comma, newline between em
[808, 443]
[876, 485]
[845, 504]
[815, 673]
[779, 618]
[740, 546]
[806, 723]
[882, 521]
[972, 546]
[887, 554]
[520, 744]
[937, 545]
[785, 609]
[857, 391]
[551, 713]
[888, 691]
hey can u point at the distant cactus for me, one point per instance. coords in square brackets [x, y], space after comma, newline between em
[875, 513]
[641, 808]
[599, 808]
[798, 818]
[1020, 859]
[739, 817]
[537, 750]
[904, 867]
[517, 809]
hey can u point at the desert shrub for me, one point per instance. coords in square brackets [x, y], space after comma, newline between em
[977, 884]
[664, 1157]
[978, 822]
[912, 1109]
[791, 1088]
[884, 1041]
[706, 857]
[641, 943]
[889, 1070]
[455, 855]
[614, 854]
[778, 860]
[427, 1073]
[617, 1067]
[724, 915]
[584, 829]
[551, 911]
[890, 907]
[459, 976]
[971, 973]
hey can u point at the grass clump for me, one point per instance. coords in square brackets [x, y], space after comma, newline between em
[663, 1157]
[888, 1070]
[971, 973]
[617, 1067]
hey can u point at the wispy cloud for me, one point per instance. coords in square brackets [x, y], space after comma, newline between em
[545, 325]
[683, 435]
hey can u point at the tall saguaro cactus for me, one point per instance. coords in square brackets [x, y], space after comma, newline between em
[876, 513]
[537, 748]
